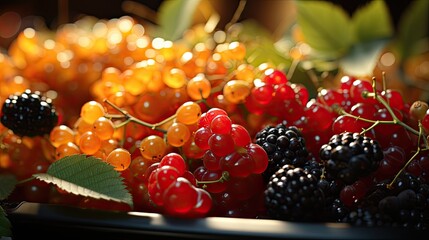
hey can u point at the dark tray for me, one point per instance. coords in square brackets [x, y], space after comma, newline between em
[46, 221]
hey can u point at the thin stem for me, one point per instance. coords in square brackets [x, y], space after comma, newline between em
[223, 178]
[123, 112]
[374, 88]
[384, 81]
[292, 68]
[26, 180]
[171, 118]
[390, 185]
[226, 79]
[204, 101]
[313, 77]
[129, 118]
[237, 14]
[114, 116]
[215, 77]
[371, 127]
[140, 10]
[395, 120]
[342, 112]
[119, 125]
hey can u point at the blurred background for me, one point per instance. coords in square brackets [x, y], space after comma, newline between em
[18, 14]
[403, 56]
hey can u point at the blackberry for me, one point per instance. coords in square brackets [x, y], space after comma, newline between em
[349, 156]
[293, 194]
[284, 145]
[314, 167]
[29, 114]
[405, 205]
[335, 211]
[368, 217]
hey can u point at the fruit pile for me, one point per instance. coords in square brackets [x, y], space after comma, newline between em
[197, 131]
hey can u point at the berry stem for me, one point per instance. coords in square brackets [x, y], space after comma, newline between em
[107, 115]
[292, 68]
[395, 120]
[223, 178]
[372, 126]
[374, 88]
[390, 185]
[26, 180]
[412, 158]
[238, 11]
[154, 126]
[342, 112]
[226, 79]
[313, 77]
[129, 118]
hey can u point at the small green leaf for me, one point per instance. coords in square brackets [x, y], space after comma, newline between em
[251, 29]
[325, 26]
[363, 57]
[260, 47]
[372, 22]
[87, 176]
[7, 186]
[413, 27]
[266, 53]
[175, 16]
[5, 226]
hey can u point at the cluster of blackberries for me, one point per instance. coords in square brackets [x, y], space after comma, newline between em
[304, 189]
[406, 204]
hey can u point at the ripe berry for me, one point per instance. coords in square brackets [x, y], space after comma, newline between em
[349, 156]
[29, 114]
[404, 205]
[284, 145]
[293, 194]
[418, 110]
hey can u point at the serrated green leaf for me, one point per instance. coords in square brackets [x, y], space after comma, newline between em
[175, 16]
[87, 176]
[362, 58]
[7, 186]
[372, 22]
[5, 226]
[325, 26]
[413, 27]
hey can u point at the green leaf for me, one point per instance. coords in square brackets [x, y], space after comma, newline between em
[363, 57]
[5, 226]
[372, 22]
[250, 30]
[413, 27]
[266, 53]
[260, 47]
[325, 26]
[87, 176]
[175, 16]
[8, 182]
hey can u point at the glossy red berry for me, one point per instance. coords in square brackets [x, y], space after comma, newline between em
[180, 197]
